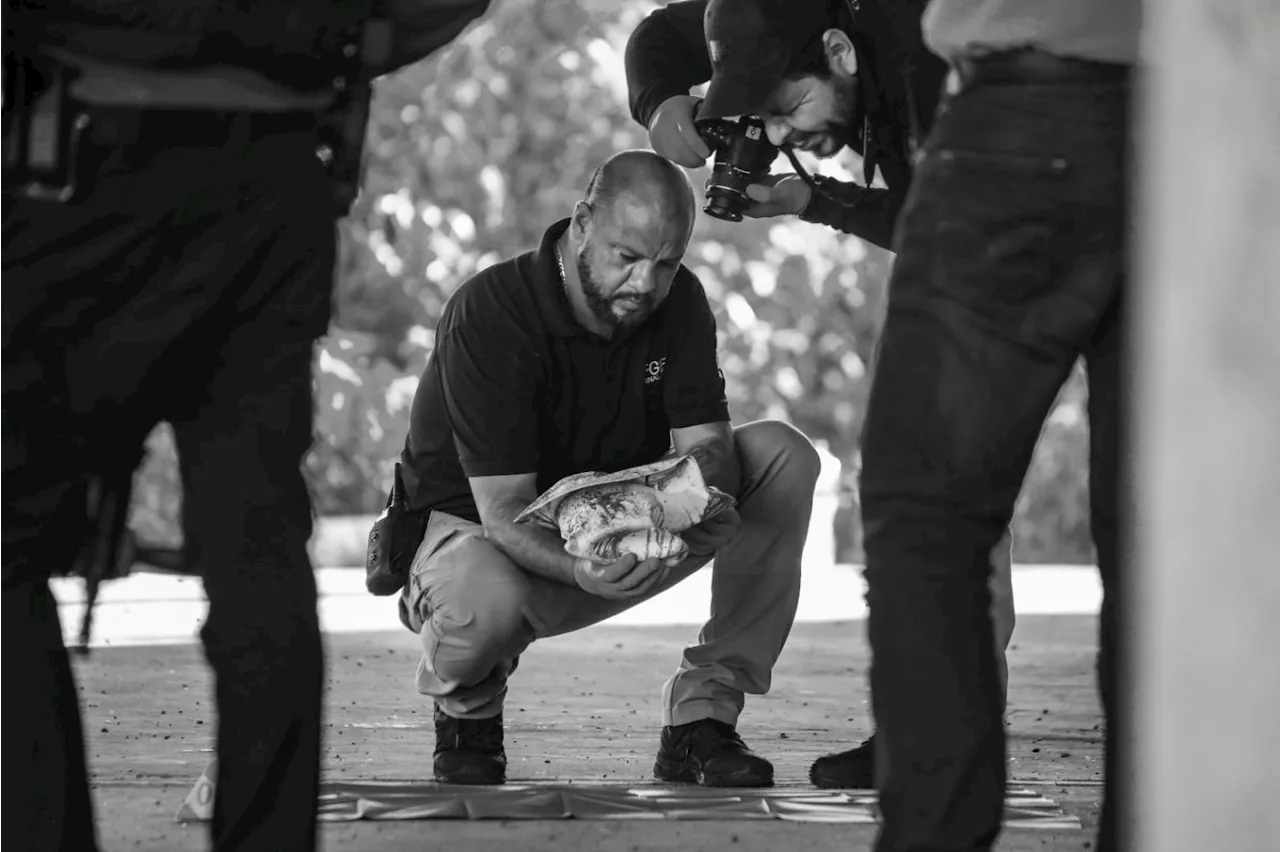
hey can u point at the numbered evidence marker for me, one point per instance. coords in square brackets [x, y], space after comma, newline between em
[198, 806]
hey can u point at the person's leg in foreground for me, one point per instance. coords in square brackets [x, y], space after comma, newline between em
[247, 511]
[855, 767]
[1109, 456]
[477, 611]
[199, 280]
[1010, 257]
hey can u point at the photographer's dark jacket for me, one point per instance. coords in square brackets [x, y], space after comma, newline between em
[900, 83]
[516, 385]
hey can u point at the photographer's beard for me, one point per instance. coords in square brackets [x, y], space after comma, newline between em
[616, 310]
[836, 127]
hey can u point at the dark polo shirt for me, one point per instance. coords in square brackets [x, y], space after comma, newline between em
[516, 385]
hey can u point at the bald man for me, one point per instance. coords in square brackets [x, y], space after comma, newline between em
[594, 352]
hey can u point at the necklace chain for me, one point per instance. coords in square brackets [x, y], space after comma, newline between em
[564, 280]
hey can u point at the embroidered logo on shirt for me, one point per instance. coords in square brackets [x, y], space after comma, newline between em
[653, 371]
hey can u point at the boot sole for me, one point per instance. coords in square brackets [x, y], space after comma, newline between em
[681, 773]
[470, 779]
[825, 781]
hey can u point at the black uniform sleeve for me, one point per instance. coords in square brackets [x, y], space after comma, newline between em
[666, 56]
[418, 28]
[489, 380]
[693, 383]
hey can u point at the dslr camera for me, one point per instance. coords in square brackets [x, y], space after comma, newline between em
[743, 154]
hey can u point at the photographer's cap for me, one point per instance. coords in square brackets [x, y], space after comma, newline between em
[751, 44]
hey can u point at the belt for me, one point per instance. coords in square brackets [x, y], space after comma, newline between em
[194, 128]
[1028, 65]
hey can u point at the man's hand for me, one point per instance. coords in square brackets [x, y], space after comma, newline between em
[778, 195]
[627, 578]
[713, 533]
[672, 134]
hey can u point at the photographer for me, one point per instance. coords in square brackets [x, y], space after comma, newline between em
[171, 185]
[821, 76]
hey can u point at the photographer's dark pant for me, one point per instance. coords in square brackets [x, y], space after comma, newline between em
[189, 285]
[1011, 257]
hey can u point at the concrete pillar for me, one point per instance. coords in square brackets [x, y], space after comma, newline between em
[1206, 601]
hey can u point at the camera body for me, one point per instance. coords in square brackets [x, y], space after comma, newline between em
[743, 154]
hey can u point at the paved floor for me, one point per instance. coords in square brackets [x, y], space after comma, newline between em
[584, 709]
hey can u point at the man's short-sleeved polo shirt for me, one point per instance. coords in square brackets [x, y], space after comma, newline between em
[515, 385]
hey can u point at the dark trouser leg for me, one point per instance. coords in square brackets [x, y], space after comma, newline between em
[75, 361]
[1007, 262]
[247, 515]
[1107, 464]
[47, 807]
[186, 268]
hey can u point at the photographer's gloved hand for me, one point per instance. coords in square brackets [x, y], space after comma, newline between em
[713, 533]
[672, 134]
[620, 580]
[778, 195]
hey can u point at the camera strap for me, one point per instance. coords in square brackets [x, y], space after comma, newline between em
[815, 183]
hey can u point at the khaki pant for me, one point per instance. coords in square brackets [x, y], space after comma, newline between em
[477, 611]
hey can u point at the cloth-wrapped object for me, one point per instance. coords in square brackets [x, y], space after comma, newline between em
[640, 510]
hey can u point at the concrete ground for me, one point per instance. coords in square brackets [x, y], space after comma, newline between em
[583, 708]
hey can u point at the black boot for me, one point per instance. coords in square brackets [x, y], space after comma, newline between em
[469, 751]
[710, 753]
[853, 769]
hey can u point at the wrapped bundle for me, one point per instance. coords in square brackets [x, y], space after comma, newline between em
[641, 510]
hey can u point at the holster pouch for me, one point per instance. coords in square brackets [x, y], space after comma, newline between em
[44, 130]
[393, 542]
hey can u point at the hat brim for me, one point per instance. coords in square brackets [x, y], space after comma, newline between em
[733, 96]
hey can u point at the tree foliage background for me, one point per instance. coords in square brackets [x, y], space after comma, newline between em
[472, 154]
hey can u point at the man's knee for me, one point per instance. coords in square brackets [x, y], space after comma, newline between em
[477, 617]
[774, 445]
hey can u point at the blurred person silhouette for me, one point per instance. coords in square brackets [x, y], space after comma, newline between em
[172, 174]
[1012, 258]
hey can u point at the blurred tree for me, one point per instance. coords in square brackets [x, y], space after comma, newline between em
[473, 153]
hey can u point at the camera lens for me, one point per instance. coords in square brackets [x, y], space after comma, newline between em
[724, 205]
[727, 192]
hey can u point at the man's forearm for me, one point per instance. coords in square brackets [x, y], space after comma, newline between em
[536, 549]
[718, 462]
[853, 209]
[666, 56]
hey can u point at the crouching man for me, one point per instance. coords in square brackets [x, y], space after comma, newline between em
[594, 352]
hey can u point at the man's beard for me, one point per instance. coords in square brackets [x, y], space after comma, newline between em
[843, 131]
[846, 129]
[604, 307]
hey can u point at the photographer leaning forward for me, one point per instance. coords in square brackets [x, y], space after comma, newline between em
[170, 189]
[819, 76]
